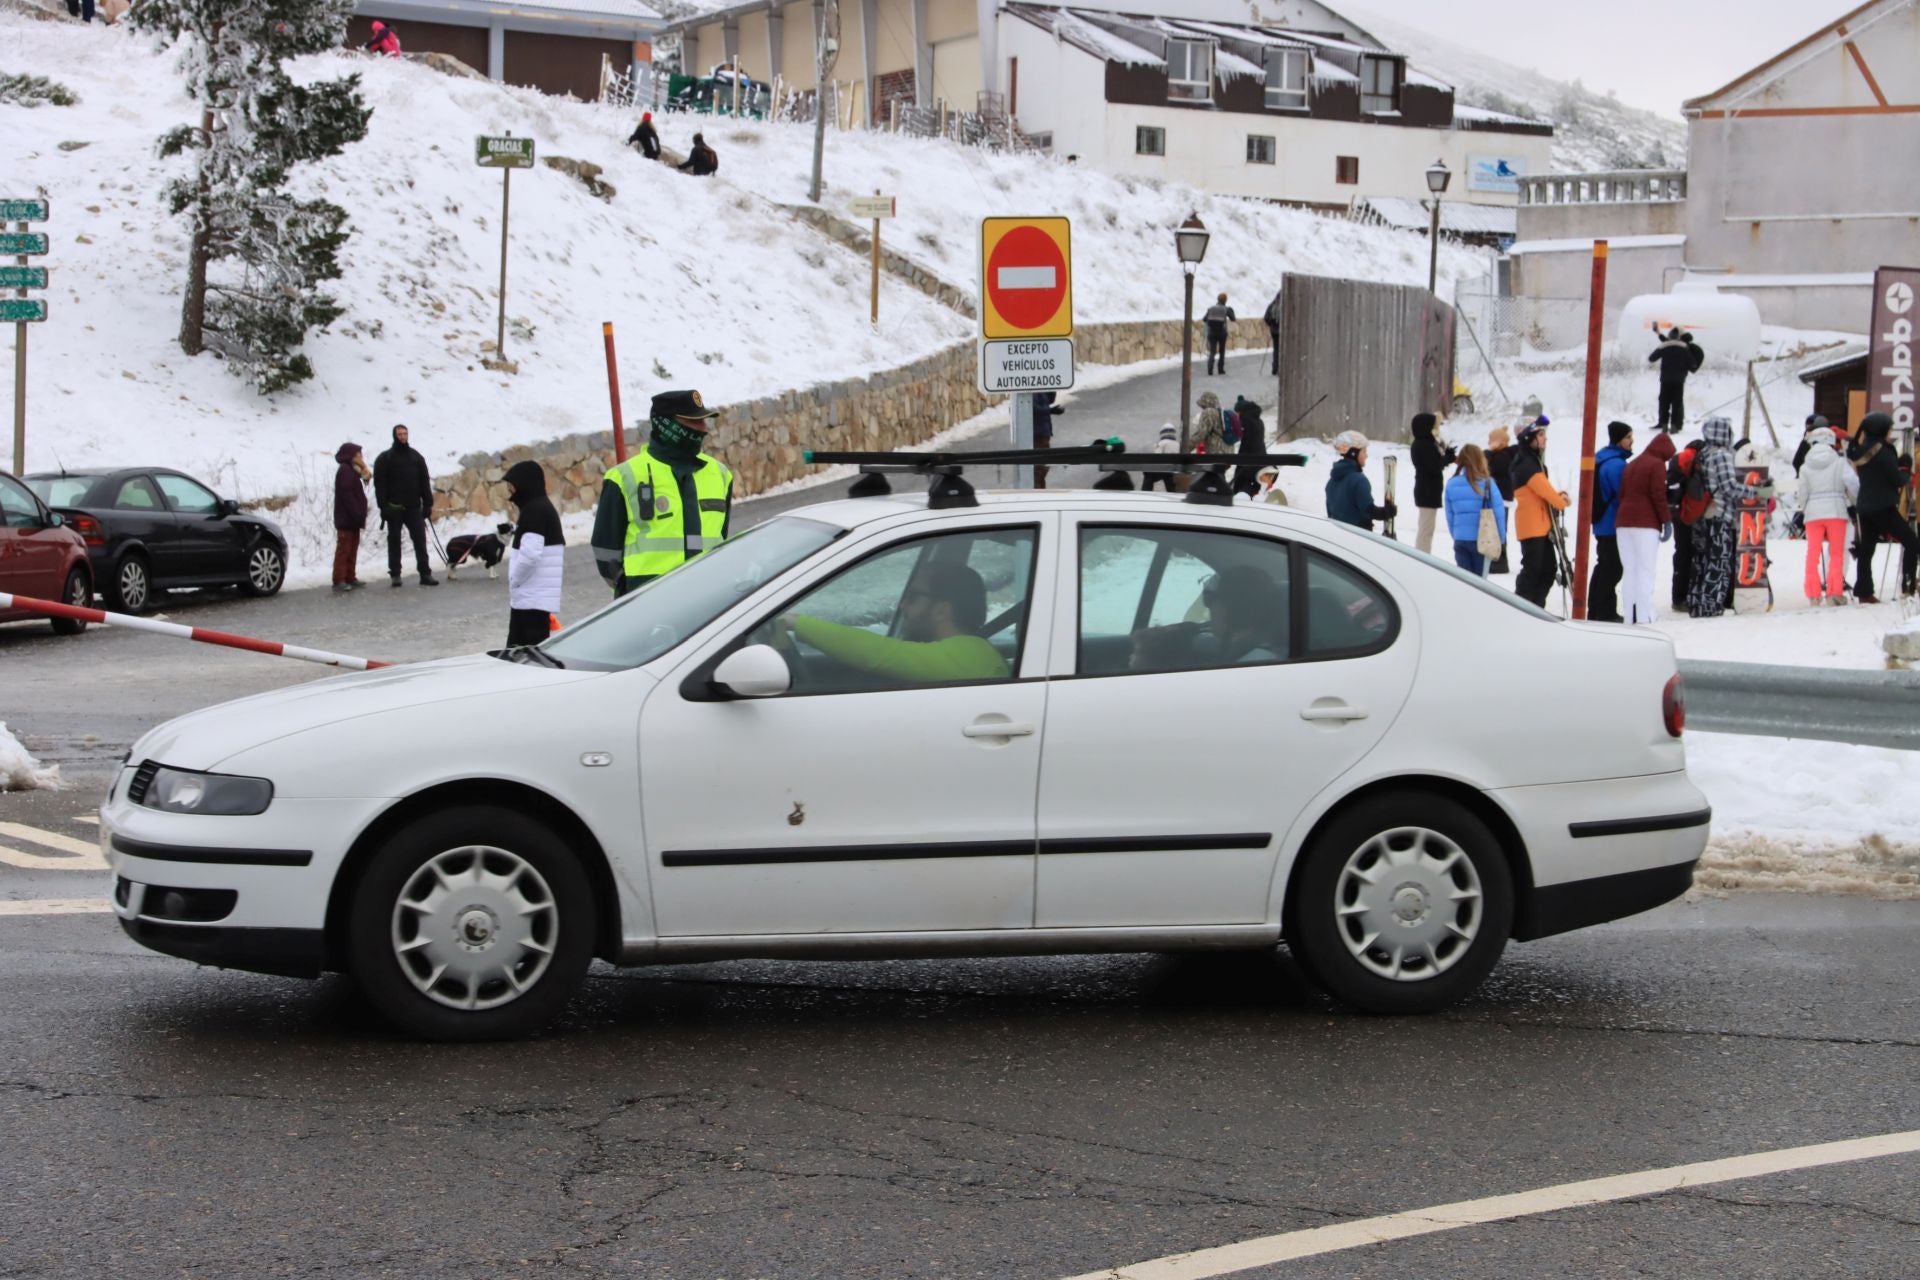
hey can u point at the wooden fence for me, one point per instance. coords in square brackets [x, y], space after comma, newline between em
[1361, 357]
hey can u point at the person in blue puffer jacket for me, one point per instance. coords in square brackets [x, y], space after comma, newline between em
[1468, 493]
[1609, 464]
[1349, 492]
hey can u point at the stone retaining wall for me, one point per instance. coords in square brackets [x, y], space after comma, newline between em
[762, 440]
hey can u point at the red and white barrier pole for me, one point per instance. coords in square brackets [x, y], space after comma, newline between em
[55, 609]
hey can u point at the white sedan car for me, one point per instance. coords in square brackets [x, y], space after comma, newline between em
[1053, 722]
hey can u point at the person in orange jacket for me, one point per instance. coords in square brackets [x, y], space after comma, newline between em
[1534, 501]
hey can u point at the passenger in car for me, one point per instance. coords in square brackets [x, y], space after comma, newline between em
[1246, 623]
[941, 614]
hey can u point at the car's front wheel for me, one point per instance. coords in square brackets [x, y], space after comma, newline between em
[79, 593]
[1403, 904]
[474, 924]
[266, 570]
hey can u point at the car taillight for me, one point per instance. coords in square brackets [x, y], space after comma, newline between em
[1673, 706]
[90, 530]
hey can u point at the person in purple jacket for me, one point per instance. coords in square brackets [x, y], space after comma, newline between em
[349, 514]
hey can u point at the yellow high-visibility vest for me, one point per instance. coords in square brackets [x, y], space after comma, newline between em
[658, 538]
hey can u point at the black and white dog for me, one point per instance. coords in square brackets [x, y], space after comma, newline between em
[488, 548]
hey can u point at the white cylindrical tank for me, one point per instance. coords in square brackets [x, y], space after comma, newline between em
[1726, 325]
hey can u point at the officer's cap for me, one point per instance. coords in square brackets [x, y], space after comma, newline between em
[681, 404]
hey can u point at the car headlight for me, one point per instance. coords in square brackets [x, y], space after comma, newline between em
[178, 791]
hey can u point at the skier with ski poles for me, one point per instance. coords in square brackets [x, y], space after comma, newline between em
[1535, 501]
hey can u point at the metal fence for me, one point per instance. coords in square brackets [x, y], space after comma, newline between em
[1871, 708]
[1361, 356]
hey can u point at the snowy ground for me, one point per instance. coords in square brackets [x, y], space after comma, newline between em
[19, 771]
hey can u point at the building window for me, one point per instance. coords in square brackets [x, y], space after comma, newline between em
[1287, 80]
[1189, 71]
[1379, 85]
[1149, 141]
[1346, 170]
[1259, 148]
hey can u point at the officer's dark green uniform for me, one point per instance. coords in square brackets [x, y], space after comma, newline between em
[665, 504]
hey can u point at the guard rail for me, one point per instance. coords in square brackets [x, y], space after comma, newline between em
[1871, 708]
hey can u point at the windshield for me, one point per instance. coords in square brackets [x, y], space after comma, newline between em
[60, 491]
[646, 623]
[1455, 571]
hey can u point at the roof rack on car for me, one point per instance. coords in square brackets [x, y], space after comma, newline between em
[951, 489]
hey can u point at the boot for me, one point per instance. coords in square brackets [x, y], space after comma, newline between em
[428, 580]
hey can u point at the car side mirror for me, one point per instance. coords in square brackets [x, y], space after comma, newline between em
[55, 520]
[757, 671]
[227, 507]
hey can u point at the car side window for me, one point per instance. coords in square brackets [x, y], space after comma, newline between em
[943, 609]
[18, 510]
[1346, 614]
[137, 494]
[1155, 599]
[188, 497]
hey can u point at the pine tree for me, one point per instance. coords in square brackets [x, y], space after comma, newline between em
[259, 256]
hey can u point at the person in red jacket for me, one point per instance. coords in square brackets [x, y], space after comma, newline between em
[384, 42]
[1642, 522]
[349, 514]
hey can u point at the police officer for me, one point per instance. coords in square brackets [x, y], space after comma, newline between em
[666, 503]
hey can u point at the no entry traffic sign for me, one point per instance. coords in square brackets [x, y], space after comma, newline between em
[1026, 278]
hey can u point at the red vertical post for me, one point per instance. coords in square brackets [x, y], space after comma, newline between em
[1589, 423]
[613, 390]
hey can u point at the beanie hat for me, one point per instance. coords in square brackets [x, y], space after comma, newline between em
[1169, 432]
[1531, 432]
[1876, 425]
[1618, 431]
[1816, 421]
[1209, 400]
[1349, 440]
[1531, 408]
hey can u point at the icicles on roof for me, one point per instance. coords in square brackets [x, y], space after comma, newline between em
[1077, 30]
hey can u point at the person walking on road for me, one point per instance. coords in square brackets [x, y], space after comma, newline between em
[349, 514]
[1882, 476]
[1470, 492]
[1431, 458]
[645, 137]
[1217, 318]
[539, 557]
[1643, 519]
[404, 491]
[1678, 356]
[1534, 501]
[1711, 586]
[1272, 317]
[666, 503]
[1349, 492]
[1829, 487]
[702, 161]
[1609, 468]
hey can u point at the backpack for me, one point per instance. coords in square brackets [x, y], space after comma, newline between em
[1230, 428]
[1695, 497]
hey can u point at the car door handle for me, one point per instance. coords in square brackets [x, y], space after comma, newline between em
[997, 729]
[1332, 709]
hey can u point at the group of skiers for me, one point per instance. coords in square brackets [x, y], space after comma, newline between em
[700, 162]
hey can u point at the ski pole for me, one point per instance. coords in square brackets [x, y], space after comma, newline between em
[55, 609]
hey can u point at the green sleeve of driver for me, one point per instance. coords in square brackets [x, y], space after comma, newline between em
[955, 658]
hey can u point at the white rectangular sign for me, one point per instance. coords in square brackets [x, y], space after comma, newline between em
[1026, 364]
[872, 206]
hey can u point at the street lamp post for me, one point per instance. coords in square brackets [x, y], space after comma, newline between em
[1437, 178]
[1191, 241]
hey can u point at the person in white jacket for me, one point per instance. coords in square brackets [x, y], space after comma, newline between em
[1828, 486]
[539, 554]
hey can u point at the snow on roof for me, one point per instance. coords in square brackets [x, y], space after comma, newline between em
[1098, 41]
[1426, 81]
[1586, 246]
[1335, 42]
[1232, 66]
[1854, 354]
[1830, 280]
[625, 9]
[1248, 35]
[1462, 112]
[1327, 73]
[1456, 216]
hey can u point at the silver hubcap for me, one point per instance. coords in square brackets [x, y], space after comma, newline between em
[264, 569]
[133, 584]
[77, 593]
[475, 927]
[1408, 904]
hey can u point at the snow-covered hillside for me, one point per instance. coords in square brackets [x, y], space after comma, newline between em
[1591, 130]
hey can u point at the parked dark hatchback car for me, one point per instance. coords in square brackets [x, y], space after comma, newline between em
[152, 529]
[40, 557]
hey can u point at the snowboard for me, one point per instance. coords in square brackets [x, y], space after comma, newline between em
[1752, 586]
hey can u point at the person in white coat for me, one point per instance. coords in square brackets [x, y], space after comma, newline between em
[1828, 486]
[539, 555]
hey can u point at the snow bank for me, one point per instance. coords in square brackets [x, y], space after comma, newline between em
[19, 771]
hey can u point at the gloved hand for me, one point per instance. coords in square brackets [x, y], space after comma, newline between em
[1765, 491]
[1666, 531]
[1392, 509]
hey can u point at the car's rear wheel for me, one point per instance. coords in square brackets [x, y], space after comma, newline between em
[131, 590]
[266, 570]
[474, 924]
[1403, 904]
[79, 593]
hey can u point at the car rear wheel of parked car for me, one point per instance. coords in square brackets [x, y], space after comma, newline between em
[79, 593]
[266, 570]
[475, 924]
[132, 588]
[1402, 905]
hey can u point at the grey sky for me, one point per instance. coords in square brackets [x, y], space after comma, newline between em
[1654, 53]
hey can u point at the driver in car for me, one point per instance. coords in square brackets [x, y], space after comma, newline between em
[941, 614]
[1246, 623]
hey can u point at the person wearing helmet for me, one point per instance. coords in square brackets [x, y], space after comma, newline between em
[1534, 497]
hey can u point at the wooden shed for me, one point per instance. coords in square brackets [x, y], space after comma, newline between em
[1840, 388]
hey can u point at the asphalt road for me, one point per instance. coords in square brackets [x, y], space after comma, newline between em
[1001, 1118]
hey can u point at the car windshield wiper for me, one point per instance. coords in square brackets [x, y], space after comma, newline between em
[526, 652]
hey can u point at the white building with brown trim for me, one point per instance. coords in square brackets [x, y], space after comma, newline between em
[551, 45]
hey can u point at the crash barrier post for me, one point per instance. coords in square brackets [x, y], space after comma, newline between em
[1869, 708]
[55, 609]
